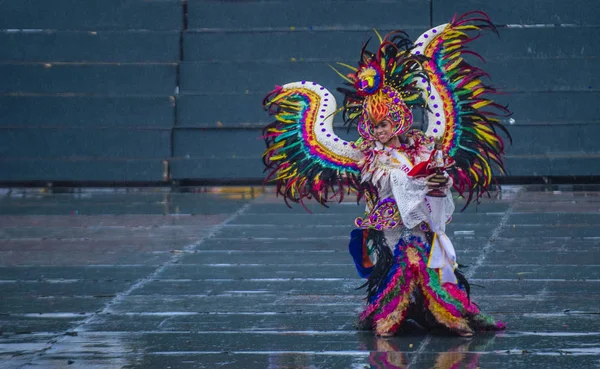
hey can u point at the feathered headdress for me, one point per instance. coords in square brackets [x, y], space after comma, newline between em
[384, 86]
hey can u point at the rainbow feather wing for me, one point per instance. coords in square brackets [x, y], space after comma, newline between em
[460, 111]
[304, 157]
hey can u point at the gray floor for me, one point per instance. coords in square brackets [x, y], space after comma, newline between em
[231, 278]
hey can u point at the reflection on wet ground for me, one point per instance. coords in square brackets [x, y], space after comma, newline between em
[231, 278]
[386, 355]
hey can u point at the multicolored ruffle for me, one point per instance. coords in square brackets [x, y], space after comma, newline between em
[447, 303]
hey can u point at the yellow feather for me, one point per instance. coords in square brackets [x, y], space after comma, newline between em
[488, 137]
[452, 56]
[478, 92]
[451, 48]
[273, 148]
[275, 99]
[378, 35]
[340, 74]
[452, 42]
[474, 174]
[484, 128]
[454, 64]
[455, 34]
[472, 84]
[485, 167]
[481, 104]
[278, 145]
[291, 105]
[488, 172]
[347, 66]
[284, 170]
[284, 175]
[467, 27]
[278, 157]
[335, 112]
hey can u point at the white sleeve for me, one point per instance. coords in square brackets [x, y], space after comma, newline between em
[410, 193]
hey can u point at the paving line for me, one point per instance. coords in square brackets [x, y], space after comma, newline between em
[283, 265]
[352, 353]
[141, 283]
[284, 279]
[489, 244]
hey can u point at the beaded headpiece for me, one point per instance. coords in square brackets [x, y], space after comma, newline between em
[385, 104]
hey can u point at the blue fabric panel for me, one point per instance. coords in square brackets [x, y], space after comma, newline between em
[355, 249]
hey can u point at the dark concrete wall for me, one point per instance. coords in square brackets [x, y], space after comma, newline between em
[112, 90]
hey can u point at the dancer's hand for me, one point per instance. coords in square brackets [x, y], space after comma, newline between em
[434, 185]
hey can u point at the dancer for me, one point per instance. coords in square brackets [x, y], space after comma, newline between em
[403, 174]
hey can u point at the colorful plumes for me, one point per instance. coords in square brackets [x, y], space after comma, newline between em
[471, 136]
[448, 303]
[398, 70]
[301, 167]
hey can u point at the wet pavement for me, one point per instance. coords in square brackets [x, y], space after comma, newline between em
[231, 278]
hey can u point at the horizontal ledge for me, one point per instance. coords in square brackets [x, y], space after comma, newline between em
[85, 158]
[332, 88]
[160, 314]
[50, 64]
[565, 155]
[311, 332]
[292, 29]
[340, 125]
[334, 61]
[89, 32]
[188, 184]
[166, 127]
[545, 156]
[258, 93]
[82, 94]
[324, 61]
[274, 29]
[191, 184]
[280, 280]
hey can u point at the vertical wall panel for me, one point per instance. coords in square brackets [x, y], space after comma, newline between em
[333, 14]
[102, 46]
[88, 89]
[158, 15]
[87, 111]
[104, 79]
[528, 12]
[108, 77]
[550, 73]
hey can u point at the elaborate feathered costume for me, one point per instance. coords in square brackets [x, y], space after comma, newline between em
[400, 244]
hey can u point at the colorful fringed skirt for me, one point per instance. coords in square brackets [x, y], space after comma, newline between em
[410, 290]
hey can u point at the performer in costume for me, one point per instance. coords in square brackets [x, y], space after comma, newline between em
[400, 244]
